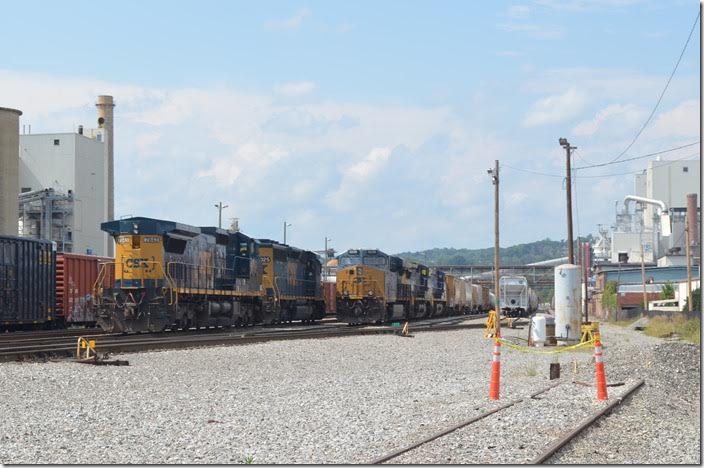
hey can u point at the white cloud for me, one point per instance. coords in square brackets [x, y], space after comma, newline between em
[518, 11]
[586, 5]
[356, 175]
[619, 116]
[252, 159]
[517, 198]
[556, 108]
[294, 22]
[682, 121]
[534, 30]
[295, 89]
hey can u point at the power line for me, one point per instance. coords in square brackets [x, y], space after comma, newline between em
[647, 121]
[595, 176]
[638, 157]
[561, 176]
[671, 161]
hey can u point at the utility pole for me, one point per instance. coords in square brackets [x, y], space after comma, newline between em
[565, 144]
[642, 275]
[494, 173]
[220, 207]
[285, 226]
[689, 267]
[585, 274]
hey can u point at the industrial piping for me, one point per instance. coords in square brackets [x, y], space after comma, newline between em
[663, 213]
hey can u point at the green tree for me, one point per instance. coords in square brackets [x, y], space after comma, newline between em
[696, 301]
[609, 299]
[668, 291]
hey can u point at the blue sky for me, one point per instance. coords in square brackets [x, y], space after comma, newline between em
[370, 122]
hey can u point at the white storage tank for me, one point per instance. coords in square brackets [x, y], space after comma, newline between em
[538, 332]
[568, 301]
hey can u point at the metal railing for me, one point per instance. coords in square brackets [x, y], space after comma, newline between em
[297, 282]
[98, 284]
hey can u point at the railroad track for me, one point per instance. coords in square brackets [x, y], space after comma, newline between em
[546, 452]
[65, 345]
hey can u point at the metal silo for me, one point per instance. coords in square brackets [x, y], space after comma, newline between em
[9, 169]
[568, 302]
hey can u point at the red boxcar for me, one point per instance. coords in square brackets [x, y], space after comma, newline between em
[329, 293]
[75, 276]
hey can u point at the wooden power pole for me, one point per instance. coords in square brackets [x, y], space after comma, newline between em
[689, 267]
[497, 307]
[568, 149]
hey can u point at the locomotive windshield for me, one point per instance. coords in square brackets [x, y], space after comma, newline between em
[349, 259]
[375, 260]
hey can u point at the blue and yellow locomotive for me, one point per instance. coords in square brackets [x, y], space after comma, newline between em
[172, 275]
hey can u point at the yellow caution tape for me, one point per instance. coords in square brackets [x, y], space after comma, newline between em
[527, 349]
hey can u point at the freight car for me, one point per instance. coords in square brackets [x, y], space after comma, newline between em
[75, 279]
[172, 275]
[517, 299]
[27, 283]
[373, 287]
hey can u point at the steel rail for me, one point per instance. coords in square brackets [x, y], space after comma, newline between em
[141, 342]
[559, 443]
[459, 426]
[31, 335]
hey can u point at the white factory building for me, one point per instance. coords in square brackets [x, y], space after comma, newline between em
[653, 217]
[63, 184]
[59, 186]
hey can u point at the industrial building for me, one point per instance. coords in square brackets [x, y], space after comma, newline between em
[58, 186]
[63, 190]
[652, 219]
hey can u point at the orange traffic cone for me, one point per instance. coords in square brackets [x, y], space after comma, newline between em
[600, 374]
[495, 371]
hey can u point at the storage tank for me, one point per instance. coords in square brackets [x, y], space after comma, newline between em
[568, 300]
[9, 169]
[538, 330]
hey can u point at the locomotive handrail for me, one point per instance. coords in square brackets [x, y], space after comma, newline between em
[97, 285]
[277, 288]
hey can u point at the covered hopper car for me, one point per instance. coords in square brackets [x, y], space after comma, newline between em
[516, 298]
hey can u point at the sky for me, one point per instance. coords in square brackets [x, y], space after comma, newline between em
[370, 123]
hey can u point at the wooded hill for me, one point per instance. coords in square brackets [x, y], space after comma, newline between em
[520, 254]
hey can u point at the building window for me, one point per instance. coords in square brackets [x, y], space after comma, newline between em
[685, 169]
[57, 142]
[26, 189]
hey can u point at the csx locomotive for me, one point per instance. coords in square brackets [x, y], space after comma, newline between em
[373, 287]
[172, 275]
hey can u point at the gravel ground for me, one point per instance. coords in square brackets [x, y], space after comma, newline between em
[347, 400]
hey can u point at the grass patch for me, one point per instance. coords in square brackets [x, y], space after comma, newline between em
[531, 371]
[248, 460]
[662, 327]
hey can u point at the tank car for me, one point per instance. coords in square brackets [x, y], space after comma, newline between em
[172, 275]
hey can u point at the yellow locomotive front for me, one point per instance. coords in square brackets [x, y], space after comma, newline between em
[361, 289]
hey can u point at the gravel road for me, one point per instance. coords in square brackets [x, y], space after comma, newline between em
[346, 400]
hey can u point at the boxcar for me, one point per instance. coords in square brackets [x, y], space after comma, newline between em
[75, 279]
[27, 283]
